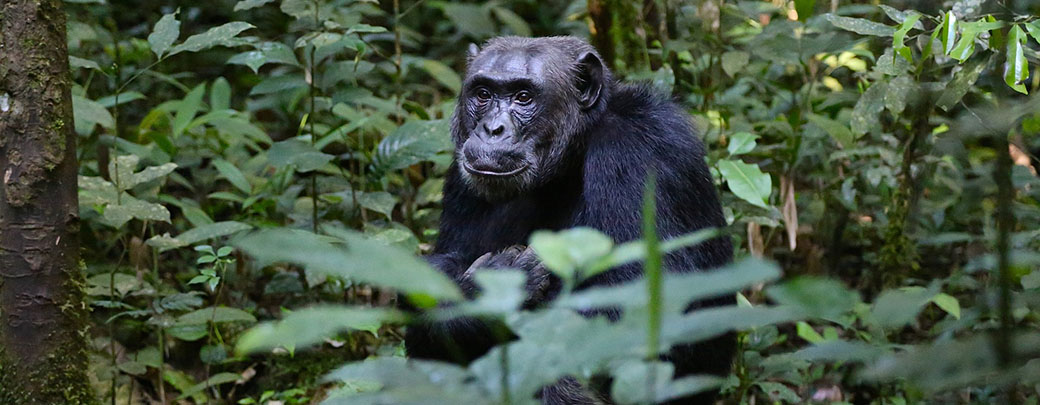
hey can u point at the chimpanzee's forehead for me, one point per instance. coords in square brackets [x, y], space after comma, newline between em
[508, 64]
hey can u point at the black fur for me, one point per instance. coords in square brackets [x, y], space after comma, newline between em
[591, 164]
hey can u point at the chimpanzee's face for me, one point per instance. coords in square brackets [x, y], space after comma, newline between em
[516, 113]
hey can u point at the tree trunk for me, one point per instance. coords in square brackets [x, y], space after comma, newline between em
[43, 357]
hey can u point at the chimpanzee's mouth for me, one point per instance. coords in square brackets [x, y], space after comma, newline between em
[493, 173]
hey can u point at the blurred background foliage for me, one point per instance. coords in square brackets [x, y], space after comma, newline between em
[882, 157]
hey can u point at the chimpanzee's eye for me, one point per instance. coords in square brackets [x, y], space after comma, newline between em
[483, 94]
[524, 97]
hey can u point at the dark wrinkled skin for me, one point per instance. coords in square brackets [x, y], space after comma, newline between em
[546, 139]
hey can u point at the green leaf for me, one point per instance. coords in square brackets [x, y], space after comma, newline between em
[365, 29]
[900, 34]
[805, 9]
[361, 259]
[165, 32]
[896, 308]
[150, 173]
[233, 175]
[471, 19]
[962, 81]
[817, 297]
[216, 36]
[1016, 69]
[187, 108]
[218, 379]
[77, 62]
[734, 61]
[860, 26]
[87, 113]
[215, 315]
[747, 181]
[898, 90]
[1033, 27]
[870, 105]
[299, 154]
[806, 331]
[379, 201]
[741, 143]
[948, 303]
[835, 129]
[568, 250]
[513, 21]
[443, 74]
[949, 32]
[198, 234]
[266, 52]
[220, 95]
[248, 4]
[131, 208]
[415, 141]
[310, 326]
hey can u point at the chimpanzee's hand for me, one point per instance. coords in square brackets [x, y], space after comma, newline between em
[539, 280]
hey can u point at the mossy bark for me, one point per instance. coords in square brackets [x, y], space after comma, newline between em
[43, 356]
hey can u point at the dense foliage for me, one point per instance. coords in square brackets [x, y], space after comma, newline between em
[258, 176]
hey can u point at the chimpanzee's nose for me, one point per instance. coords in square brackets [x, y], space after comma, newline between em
[498, 129]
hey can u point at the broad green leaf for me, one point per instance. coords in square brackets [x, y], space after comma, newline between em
[215, 315]
[310, 326]
[741, 143]
[124, 97]
[1016, 69]
[216, 36]
[87, 113]
[397, 380]
[734, 61]
[747, 181]
[119, 283]
[220, 95]
[962, 81]
[278, 84]
[96, 191]
[116, 215]
[198, 234]
[949, 32]
[379, 201]
[965, 47]
[121, 171]
[471, 19]
[835, 129]
[896, 308]
[248, 4]
[860, 26]
[899, 16]
[630, 252]
[233, 175]
[678, 288]
[948, 303]
[870, 105]
[187, 108]
[360, 259]
[817, 297]
[415, 141]
[631, 378]
[77, 62]
[365, 29]
[806, 331]
[1033, 27]
[166, 31]
[805, 9]
[568, 250]
[297, 153]
[266, 52]
[513, 21]
[299, 9]
[218, 379]
[948, 364]
[443, 74]
[898, 90]
[900, 34]
[151, 173]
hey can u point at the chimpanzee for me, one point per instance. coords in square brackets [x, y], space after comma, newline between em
[545, 138]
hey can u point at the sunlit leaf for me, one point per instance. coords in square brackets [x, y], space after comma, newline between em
[747, 181]
[165, 32]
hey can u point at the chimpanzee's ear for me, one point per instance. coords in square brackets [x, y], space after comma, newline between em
[590, 80]
[473, 51]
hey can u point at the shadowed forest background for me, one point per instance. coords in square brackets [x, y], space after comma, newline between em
[257, 179]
